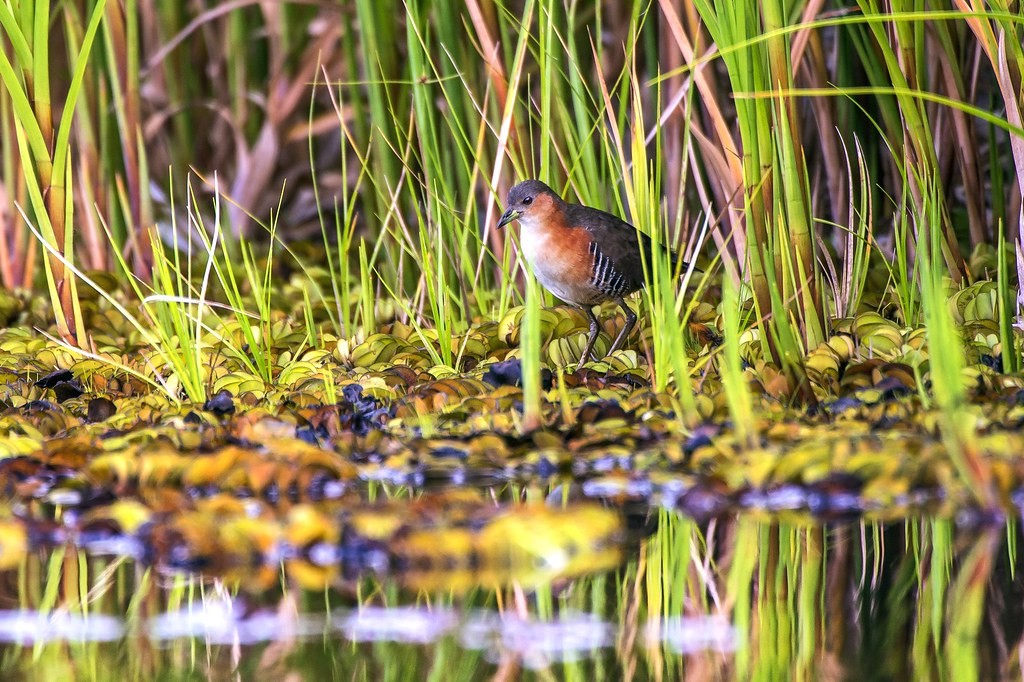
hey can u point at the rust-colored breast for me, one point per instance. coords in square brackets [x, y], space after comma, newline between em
[563, 261]
[568, 249]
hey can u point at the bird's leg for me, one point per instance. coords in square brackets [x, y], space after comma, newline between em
[595, 327]
[626, 329]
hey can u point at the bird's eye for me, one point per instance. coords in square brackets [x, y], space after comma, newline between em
[527, 201]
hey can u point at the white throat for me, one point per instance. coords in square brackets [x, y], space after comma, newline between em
[532, 240]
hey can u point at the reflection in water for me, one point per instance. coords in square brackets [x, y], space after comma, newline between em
[538, 644]
[224, 622]
[411, 625]
[32, 627]
[740, 598]
[694, 635]
[569, 636]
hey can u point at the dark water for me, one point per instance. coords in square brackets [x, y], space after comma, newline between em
[748, 596]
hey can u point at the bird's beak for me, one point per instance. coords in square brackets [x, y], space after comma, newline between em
[507, 217]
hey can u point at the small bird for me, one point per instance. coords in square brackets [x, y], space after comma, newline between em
[582, 255]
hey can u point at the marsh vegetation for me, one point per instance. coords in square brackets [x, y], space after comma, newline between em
[279, 400]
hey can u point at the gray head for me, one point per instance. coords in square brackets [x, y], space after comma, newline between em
[528, 200]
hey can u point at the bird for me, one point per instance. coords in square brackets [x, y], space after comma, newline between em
[582, 255]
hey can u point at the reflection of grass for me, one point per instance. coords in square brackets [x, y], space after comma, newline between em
[892, 599]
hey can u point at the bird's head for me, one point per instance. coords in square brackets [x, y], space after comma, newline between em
[528, 201]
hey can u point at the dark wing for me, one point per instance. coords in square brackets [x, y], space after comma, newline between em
[618, 267]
